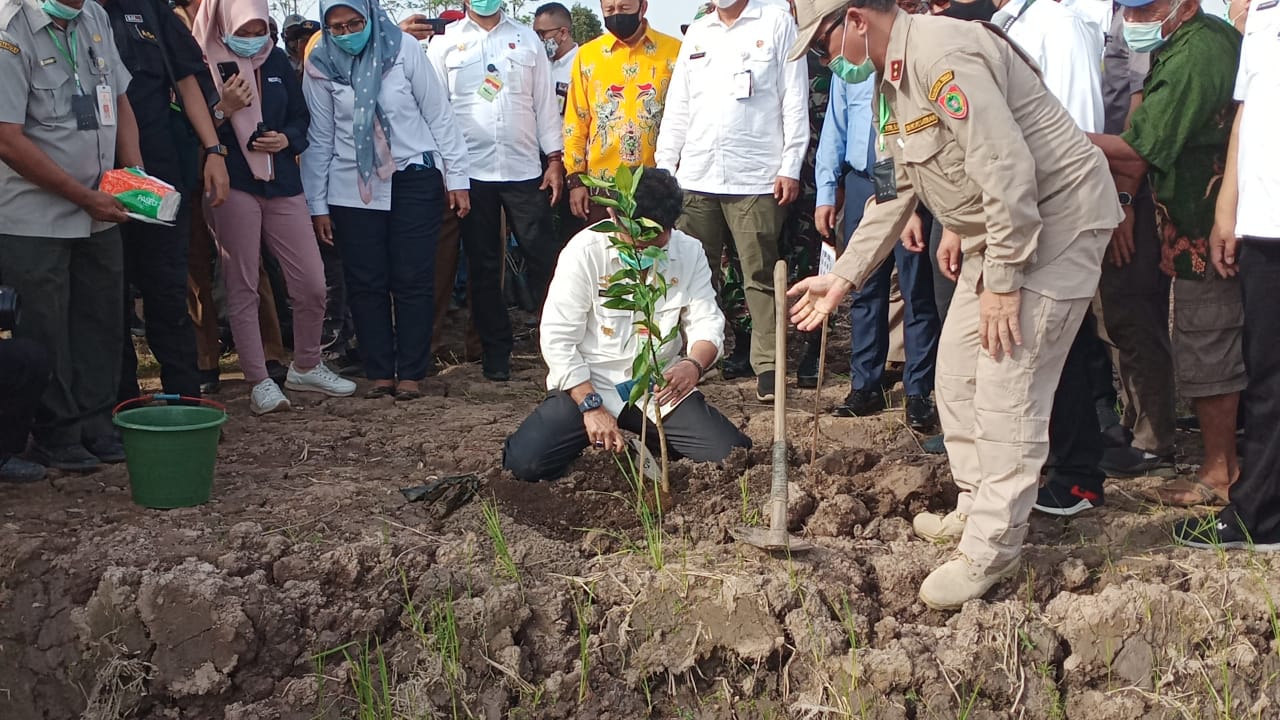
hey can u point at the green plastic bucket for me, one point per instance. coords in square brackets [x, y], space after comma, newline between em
[170, 449]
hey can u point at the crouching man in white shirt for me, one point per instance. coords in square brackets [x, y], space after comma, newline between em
[589, 350]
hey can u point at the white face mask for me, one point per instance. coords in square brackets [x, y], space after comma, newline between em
[725, 4]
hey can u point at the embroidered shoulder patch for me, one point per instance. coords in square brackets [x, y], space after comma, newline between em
[927, 120]
[954, 103]
[940, 83]
[6, 45]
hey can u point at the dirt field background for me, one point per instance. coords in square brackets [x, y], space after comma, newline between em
[308, 580]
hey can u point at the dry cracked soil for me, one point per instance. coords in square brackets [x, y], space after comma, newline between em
[308, 587]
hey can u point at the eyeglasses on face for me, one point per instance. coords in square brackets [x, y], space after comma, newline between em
[347, 28]
[819, 47]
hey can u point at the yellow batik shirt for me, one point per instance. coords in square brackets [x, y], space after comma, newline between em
[615, 103]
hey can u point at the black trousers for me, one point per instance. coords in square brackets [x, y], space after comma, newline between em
[1255, 497]
[1075, 439]
[528, 212]
[71, 292]
[24, 375]
[155, 262]
[553, 436]
[389, 259]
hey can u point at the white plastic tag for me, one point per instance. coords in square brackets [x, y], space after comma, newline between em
[742, 85]
[106, 106]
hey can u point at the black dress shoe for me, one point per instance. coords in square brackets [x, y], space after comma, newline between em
[765, 390]
[497, 369]
[807, 368]
[108, 448]
[19, 471]
[72, 458]
[210, 382]
[860, 403]
[920, 414]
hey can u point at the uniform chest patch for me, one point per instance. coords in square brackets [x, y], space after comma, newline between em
[6, 45]
[927, 120]
[133, 19]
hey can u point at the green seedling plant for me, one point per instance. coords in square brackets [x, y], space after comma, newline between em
[638, 287]
[502, 552]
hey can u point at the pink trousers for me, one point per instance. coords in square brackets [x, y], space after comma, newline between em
[242, 224]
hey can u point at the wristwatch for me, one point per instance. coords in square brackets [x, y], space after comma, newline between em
[1126, 200]
[218, 149]
[592, 401]
[218, 114]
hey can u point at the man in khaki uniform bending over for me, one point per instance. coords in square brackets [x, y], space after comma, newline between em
[966, 126]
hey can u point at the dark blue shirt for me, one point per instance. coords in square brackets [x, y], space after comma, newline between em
[283, 110]
[145, 32]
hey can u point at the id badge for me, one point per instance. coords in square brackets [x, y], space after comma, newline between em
[86, 112]
[886, 180]
[106, 106]
[742, 85]
[490, 88]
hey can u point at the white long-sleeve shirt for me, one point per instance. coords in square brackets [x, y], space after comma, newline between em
[1068, 49]
[421, 122]
[583, 340]
[504, 130]
[713, 138]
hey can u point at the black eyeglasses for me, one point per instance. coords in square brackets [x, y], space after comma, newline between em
[819, 46]
[347, 28]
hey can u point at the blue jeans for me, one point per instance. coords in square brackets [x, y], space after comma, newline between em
[869, 314]
[389, 259]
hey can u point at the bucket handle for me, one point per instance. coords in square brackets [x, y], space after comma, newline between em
[162, 397]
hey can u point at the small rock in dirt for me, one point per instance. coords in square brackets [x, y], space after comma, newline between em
[1075, 574]
[800, 505]
[838, 517]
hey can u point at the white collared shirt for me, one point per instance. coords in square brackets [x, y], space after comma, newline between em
[583, 340]
[421, 122]
[712, 137]
[562, 76]
[1068, 49]
[505, 133]
[1258, 145]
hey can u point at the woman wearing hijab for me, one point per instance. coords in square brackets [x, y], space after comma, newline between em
[263, 139]
[384, 156]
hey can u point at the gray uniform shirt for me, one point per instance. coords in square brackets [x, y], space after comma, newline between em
[1123, 73]
[36, 88]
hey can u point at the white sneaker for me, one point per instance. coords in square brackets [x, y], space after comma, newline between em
[267, 398]
[958, 581]
[940, 528]
[319, 379]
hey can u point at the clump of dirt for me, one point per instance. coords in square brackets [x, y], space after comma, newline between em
[308, 579]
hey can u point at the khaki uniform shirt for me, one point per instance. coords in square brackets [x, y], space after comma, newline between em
[976, 136]
[36, 87]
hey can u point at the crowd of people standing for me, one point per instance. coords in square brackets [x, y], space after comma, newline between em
[1111, 177]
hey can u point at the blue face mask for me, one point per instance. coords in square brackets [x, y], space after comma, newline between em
[1148, 36]
[353, 43]
[55, 9]
[485, 8]
[846, 70]
[245, 47]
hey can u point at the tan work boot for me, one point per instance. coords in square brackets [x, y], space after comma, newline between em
[940, 528]
[957, 581]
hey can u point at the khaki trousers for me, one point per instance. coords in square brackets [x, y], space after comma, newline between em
[753, 223]
[995, 414]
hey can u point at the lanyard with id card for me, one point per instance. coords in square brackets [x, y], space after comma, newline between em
[883, 173]
[89, 111]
